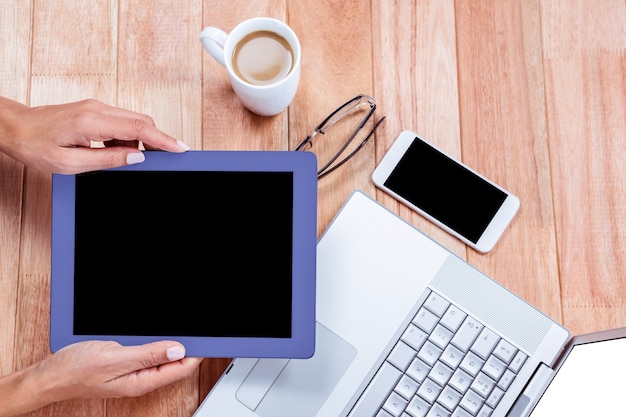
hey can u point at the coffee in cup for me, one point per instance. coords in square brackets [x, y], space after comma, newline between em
[262, 57]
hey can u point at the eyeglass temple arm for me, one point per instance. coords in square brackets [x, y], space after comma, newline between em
[351, 138]
[325, 170]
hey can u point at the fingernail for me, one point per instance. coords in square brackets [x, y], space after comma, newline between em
[135, 158]
[183, 145]
[175, 353]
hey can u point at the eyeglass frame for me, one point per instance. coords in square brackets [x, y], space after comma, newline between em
[333, 118]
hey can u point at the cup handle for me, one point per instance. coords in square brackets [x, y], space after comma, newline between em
[213, 40]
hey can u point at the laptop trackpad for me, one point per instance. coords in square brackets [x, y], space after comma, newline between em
[302, 384]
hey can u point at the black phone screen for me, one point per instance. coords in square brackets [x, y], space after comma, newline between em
[447, 191]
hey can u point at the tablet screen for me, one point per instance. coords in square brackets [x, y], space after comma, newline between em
[183, 253]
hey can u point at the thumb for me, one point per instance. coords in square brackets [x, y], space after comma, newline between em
[150, 366]
[155, 354]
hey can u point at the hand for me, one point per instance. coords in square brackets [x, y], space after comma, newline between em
[57, 138]
[98, 369]
[95, 369]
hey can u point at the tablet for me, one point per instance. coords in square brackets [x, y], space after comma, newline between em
[214, 249]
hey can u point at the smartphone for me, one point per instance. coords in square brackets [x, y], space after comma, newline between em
[448, 193]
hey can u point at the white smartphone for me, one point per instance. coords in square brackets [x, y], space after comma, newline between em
[448, 193]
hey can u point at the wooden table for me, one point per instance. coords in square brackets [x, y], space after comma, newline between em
[530, 93]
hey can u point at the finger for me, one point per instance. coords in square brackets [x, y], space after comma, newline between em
[133, 129]
[95, 106]
[77, 160]
[153, 354]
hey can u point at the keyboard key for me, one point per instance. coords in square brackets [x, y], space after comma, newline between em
[438, 411]
[407, 387]
[485, 411]
[451, 356]
[460, 381]
[472, 402]
[440, 373]
[429, 353]
[485, 343]
[518, 361]
[467, 333]
[383, 413]
[425, 320]
[483, 385]
[437, 304]
[429, 391]
[449, 398]
[441, 336]
[494, 367]
[459, 412]
[417, 407]
[506, 380]
[401, 356]
[418, 370]
[395, 405]
[414, 337]
[505, 351]
[495, 397]
[472, 364]
[453, 318]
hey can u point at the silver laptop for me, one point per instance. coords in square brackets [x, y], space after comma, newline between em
[404, 328]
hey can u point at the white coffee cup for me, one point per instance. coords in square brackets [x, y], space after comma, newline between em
[266, 72]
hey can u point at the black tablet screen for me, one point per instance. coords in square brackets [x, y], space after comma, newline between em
[183, 253]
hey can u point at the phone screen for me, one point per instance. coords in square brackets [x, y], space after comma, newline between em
[447, 191]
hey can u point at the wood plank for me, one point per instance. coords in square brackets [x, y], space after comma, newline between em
[158, 65]
[74, 38]
[503, 137]
[11, 179]
[63, 34]
[336, 66]
[585, 63]
[227, 124]
[15, 28]
[416, 84]
[15, 40]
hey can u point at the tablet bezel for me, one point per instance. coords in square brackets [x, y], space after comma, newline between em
[303, 165]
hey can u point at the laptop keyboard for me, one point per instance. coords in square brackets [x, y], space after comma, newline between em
[446, 364]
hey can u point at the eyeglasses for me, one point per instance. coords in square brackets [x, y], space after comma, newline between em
[347, 113]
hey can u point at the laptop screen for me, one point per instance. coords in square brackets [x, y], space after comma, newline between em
[589, 383]
[183, 253]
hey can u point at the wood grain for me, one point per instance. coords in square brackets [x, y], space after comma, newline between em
[417, 84]
[531, 93]
[504, 137]
[585, 63]
[14, 80]
[226, 122]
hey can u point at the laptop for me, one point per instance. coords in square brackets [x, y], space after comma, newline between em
[404, 328]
